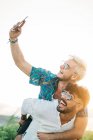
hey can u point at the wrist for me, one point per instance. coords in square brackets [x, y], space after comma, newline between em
[13, 41]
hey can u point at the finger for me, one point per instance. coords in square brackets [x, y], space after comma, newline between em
[16, 24]
[22, 23]
[19, 29]
[11, 30]
[37, 135]
[14, 27]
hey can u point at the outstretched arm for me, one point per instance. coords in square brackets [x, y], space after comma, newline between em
[17, 54]
[73, 134]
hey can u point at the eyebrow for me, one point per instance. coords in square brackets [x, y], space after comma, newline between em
[68, 65]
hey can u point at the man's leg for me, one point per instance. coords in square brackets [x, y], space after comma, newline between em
[22, 128]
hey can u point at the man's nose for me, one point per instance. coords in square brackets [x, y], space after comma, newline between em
[63, 96]
[62, 66]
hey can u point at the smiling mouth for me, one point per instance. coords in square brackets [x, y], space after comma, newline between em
[63, 101]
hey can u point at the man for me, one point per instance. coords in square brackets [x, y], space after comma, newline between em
[51, 85]
[46, 116]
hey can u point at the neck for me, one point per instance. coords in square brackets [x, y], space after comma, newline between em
[62, 85]
[66, 117]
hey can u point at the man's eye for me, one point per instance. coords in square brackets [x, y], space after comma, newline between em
[69, 99]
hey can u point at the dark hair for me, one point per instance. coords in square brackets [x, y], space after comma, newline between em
[82, 92]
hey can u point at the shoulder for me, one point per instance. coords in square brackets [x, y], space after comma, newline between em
[82, 113]
[41, 71]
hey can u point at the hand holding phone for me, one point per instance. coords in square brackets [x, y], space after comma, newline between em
[19, 25]
[15, 31]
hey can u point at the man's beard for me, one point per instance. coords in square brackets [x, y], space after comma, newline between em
[65, 78]
[67, 110]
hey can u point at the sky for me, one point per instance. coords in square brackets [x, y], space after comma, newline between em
[53, 30]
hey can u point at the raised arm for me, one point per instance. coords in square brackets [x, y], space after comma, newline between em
[74, 134]
[17, 54]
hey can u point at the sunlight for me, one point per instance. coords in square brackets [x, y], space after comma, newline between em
[53, 30]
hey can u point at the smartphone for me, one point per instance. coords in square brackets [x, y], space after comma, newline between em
[23, 21]
[19, 25]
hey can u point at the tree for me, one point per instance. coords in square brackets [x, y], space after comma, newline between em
[8, 131]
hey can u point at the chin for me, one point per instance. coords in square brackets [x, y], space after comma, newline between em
[59, 109]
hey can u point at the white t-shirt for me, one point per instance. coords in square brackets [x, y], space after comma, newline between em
[45, 118]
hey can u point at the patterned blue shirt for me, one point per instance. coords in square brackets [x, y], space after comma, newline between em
[41, 77]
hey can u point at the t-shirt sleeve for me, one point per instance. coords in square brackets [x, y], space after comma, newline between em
[38, 76]
[27, 107]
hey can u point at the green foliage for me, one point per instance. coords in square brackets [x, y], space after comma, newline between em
[88, 135]
[8, 131]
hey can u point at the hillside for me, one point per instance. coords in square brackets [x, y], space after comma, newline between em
[7, 119]
[3, 119]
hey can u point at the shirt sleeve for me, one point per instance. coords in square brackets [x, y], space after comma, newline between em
[27, 107]
[38, 76]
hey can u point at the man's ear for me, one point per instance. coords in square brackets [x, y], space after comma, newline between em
[74, 76]
[79, 106]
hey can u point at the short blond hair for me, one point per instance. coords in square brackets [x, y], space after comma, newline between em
[81, 66]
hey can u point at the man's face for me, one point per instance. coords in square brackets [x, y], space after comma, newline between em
[67, 69]
[69, 103]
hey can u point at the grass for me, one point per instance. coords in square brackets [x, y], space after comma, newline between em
[88, 135]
